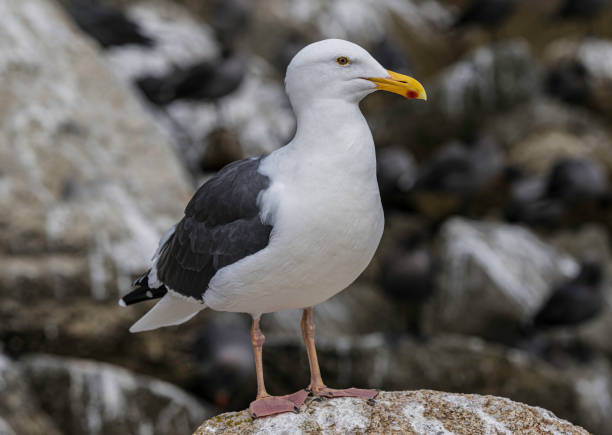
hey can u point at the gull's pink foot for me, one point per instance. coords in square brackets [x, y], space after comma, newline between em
[361, 393]
[297, 398]
[272, 405]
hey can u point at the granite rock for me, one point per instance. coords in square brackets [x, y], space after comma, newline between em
[414, 412]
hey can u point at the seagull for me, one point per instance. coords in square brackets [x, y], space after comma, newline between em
[288, 230]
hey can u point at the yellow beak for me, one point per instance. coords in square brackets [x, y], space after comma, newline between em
[400, 84]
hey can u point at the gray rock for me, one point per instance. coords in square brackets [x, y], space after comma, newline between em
[595, 55]
[592, 75]
[415, 412]
[223, 148]
[86, 397]
[19, 411]
[182, 41]
[491, 277]
[179, 39]
[491, 79]
[367, 23]
[87, 186]
[87, 180]
[548, 131]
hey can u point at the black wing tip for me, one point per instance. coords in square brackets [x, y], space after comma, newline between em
[142, 292]
[142, 281]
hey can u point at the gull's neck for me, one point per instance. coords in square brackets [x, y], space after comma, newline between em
[332, 142]
[332, 126]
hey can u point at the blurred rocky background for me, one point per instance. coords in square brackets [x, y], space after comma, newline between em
[494, 272]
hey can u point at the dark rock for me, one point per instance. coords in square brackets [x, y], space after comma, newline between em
[590, 241]
[396, 173]
[528, 203]
[224, 365]
[575, 190]
[464, 179]
[486, 13]
[570, 82]
[408, 274]
[222, 148]
[462, 170]
[287, 48]
[110, 27]
[231, 19]
[578, 73]
[582, 8]
[389, 54]
[406, 271]
[577, 180]
[206, 81]
[574, 301]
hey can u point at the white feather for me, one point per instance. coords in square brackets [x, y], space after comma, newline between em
[170, 310]
[152, 278]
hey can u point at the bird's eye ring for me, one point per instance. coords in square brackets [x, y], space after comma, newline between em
[342, 60]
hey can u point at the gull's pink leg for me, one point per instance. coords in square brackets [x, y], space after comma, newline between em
[265, 404]
[317, 387]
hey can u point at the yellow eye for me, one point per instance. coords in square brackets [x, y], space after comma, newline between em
[342, 60]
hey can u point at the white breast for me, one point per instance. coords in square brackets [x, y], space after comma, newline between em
[328, 221]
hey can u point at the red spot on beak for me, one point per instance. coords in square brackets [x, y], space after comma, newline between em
[412, 94]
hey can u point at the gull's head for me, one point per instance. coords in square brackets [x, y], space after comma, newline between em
[335, 69]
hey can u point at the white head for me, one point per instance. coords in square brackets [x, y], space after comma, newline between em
[337, 69]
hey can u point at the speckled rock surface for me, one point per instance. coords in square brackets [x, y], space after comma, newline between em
[406, 412]
[87, 182]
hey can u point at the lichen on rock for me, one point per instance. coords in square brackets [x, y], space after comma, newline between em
[406, 412]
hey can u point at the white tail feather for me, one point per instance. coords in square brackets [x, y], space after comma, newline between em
[170, 310]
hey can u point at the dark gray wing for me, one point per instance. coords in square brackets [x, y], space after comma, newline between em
[222, 224]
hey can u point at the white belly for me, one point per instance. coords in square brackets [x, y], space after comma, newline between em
[321, 242]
